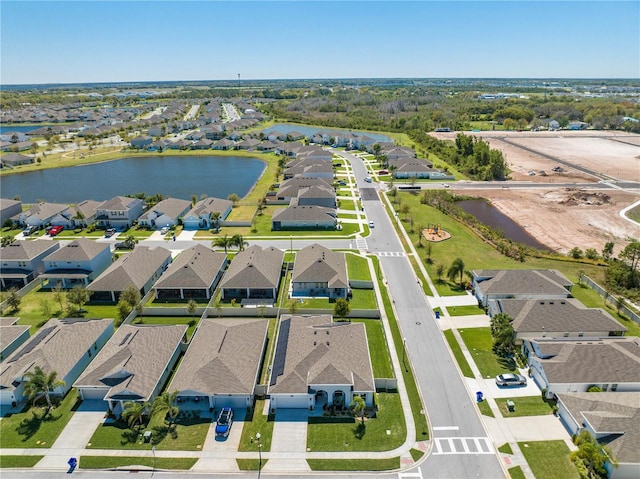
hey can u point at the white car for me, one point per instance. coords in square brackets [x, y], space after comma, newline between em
[164, 230]
[367, 179]
[371, 224]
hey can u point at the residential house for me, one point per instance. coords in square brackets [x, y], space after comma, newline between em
[224, 144]
[290, 188]
[65, 346]
[574, 365]
[411, 168]
[314, 153]
[40, 214]
[203, 144]
[77, 216]
[22, 261]
[141, 142]
[254, 273]
[76, 263]
[520, 284]
[140, 269]
[248, 144]
[157, 130]
[12, 335]
[13, 136]
[179, 145]
[309, 168]
[318, 195]
[214, 132]
[194, 273]
[361, 142]
[540, 318]
[133, 366]
[212, 373]
[166, 213]
[201, 216]
[295, 136]
[15, 159]
[268, 145]
[613, 419]
[9, 208]
[119, 212]
[319, 363]
[318, 271]
[304, 217]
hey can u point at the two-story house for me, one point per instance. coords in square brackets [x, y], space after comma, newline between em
[22, 261]
[119, 212]
[79, 262]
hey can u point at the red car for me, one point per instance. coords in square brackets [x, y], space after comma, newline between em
[55, 230]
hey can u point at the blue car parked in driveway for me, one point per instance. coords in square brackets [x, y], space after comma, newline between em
[225, 420]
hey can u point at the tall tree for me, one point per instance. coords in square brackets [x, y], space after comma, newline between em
[239, 242]
[456, 269]
[167, 405]
[78, 295]
[134, 412]
[192, 307]
[631, 255]
[223, 242]
[41, 384]
[342, 308]
[58, 295]
[234, 198]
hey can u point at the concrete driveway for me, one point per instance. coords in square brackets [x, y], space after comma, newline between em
[289, 436]
[76, 434]
[223, 449]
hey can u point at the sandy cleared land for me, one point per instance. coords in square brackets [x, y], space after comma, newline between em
[560, 217]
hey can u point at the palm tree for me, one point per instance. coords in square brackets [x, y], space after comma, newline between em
[166, 404]
[358, 405]
[134, 412]
[223, 242]
[456, 268]
[238, 240]
[215, 220]
[41, 384]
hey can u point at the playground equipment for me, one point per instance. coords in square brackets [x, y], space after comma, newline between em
[434, 230]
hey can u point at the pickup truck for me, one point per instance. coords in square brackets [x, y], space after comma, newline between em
[55, 230]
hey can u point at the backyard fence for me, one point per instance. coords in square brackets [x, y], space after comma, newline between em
[616, 302]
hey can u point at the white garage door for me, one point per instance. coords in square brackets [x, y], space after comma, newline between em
[292, 402]
[93, 393]
[236, 402]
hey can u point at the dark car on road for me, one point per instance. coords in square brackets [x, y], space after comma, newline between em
[225, 420]
[511, 380]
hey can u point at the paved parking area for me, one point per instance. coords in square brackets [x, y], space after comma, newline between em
[289, 436]
[490, 389]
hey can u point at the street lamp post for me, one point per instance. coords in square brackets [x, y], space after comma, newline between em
[153, 470]
[404, 349]
[259, 454]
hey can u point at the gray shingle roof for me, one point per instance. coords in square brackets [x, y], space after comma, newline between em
[57, 346]
[615, 413]
[534, 282]
[87, 208]
[9, 333]
[315, 263]
[254, 268]
[597, 361]
[133, 360]
[304, 213]
[119, 203]
[195, 268]
[172, 207]
[223, 358]
[208, 206]
[557, 315]
[135, 268]
[44, 211]
[320, 352]
[81, 249]
[26, 250]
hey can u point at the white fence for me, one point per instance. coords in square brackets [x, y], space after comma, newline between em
[616, 302]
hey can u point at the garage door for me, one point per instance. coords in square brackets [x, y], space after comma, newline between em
[292, 402]
[93, 393]
[236, 402]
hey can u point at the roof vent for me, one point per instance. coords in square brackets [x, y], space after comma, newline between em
[327, 343]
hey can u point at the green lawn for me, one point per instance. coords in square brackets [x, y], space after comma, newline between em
[79, 232]
[192, 322]
[549, 459]
[380, 361]
[457, 353]
[10, 232]
[516, 473]
[464, 310]
[189, 434]
[362, 299]
[347, 205]
[372, 436]
[354, 464]
[175, 303]
[485, 409]
[358, 267]
[479, 344]
[525, 406]
[34, 429]
[250, 464]
[19, 461]
[109, 462]
[32, 311]
[254, 423]
[505, 448]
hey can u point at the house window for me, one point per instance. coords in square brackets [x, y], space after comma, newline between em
[566, 335]
[614, 387]
[580, 334]
[605, 387]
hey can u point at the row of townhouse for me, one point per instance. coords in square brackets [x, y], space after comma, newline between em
[318, 362]
[120, 212]
[570, 349]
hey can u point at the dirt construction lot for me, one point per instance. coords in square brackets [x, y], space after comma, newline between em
[563, 217]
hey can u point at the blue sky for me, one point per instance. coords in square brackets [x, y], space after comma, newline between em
[93, 41]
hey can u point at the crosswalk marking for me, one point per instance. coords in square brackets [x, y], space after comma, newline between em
[467, 445]
[391, 253]
[404, 475]
[361, 244]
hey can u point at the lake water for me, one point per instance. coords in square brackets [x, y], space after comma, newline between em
[175, 176]
[491, 216]
[18, 128]
[312, 130]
